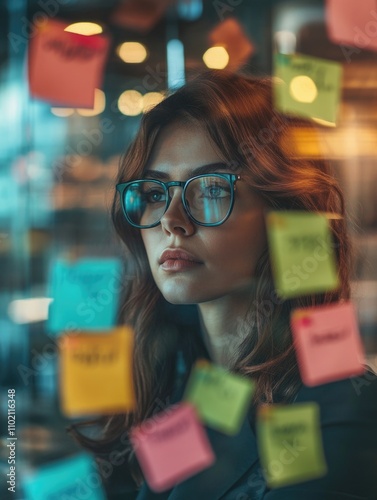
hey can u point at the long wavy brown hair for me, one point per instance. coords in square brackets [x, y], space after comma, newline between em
[238, 115]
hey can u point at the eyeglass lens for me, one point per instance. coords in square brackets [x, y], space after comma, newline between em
[208, 200]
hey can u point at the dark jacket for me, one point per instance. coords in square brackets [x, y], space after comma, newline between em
[348, 410]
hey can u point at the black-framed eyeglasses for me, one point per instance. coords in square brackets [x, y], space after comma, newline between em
[208, 199]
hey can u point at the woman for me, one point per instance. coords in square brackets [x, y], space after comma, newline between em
[203, 286]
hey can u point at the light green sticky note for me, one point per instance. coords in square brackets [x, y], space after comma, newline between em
[307, 86]
[220, 398]
[290, 443]
[302, 254]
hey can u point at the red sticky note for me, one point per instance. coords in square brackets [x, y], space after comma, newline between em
[327, 343]
[171, 447]
[65, 68]
[352, 23]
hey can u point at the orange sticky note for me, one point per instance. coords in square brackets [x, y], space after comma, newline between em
[96, 372]
[139, 15]
[230, 35]
[352, 23]
[171, 447]
[327, 342]
[65, 68]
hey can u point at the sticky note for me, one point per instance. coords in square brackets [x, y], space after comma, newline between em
[327, 342]
[353, 24]
[307, 86]
[230, 34]
[221, 398]
[139, 15]
[72, 477]
[290, 443]
[303, 260]
[171, 447]
[96, 373]
[85, 294]
[65, 68]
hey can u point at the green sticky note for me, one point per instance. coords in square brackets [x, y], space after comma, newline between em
[302, 255]
[290, 443]
[307, 86]
[220, 398]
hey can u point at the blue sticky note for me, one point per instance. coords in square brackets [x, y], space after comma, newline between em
[73, 477]
[85, 294]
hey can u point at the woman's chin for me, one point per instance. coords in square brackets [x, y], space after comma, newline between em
[180, 299]
[180, 295]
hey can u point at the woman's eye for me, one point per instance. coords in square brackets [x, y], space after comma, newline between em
[216, 192]
[154, 196]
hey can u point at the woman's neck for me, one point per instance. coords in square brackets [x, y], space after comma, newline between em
[224, 327]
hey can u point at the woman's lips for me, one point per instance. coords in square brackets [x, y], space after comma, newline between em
[179, 264]
[178, 260]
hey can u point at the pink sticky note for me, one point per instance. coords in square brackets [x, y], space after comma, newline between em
[65, 68]
[171, 447]
[352, 23]
[327, 342]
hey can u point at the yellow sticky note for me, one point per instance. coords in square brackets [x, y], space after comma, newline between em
[96, 372]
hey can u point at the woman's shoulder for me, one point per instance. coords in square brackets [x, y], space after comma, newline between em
[346, 399]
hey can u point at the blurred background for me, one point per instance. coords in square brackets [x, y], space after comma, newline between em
[58, 165]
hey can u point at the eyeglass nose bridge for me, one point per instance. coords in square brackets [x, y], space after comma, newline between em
[170, 184]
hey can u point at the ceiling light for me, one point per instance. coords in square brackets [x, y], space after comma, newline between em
[84, 28]
[130, 103]
[23, 311]
[303, 89]
[216, 58]
[151, 99]
[285, 41]
[132, 52]
[62, 112]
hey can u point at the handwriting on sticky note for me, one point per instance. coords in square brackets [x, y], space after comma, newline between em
[65, 68]
[220, 398]
[174, 430]
[67, 478]
[327, 342]
[307, 86]
[171, 447]
[96, 372]
[94, 356]
[85, 294]
[302, 255]
[328, 336]
[290, 443]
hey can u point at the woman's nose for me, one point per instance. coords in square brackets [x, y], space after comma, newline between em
[175, 220]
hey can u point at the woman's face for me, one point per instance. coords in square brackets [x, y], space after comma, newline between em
[224, 256]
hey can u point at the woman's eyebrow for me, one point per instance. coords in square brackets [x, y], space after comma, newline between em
[203, 169]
